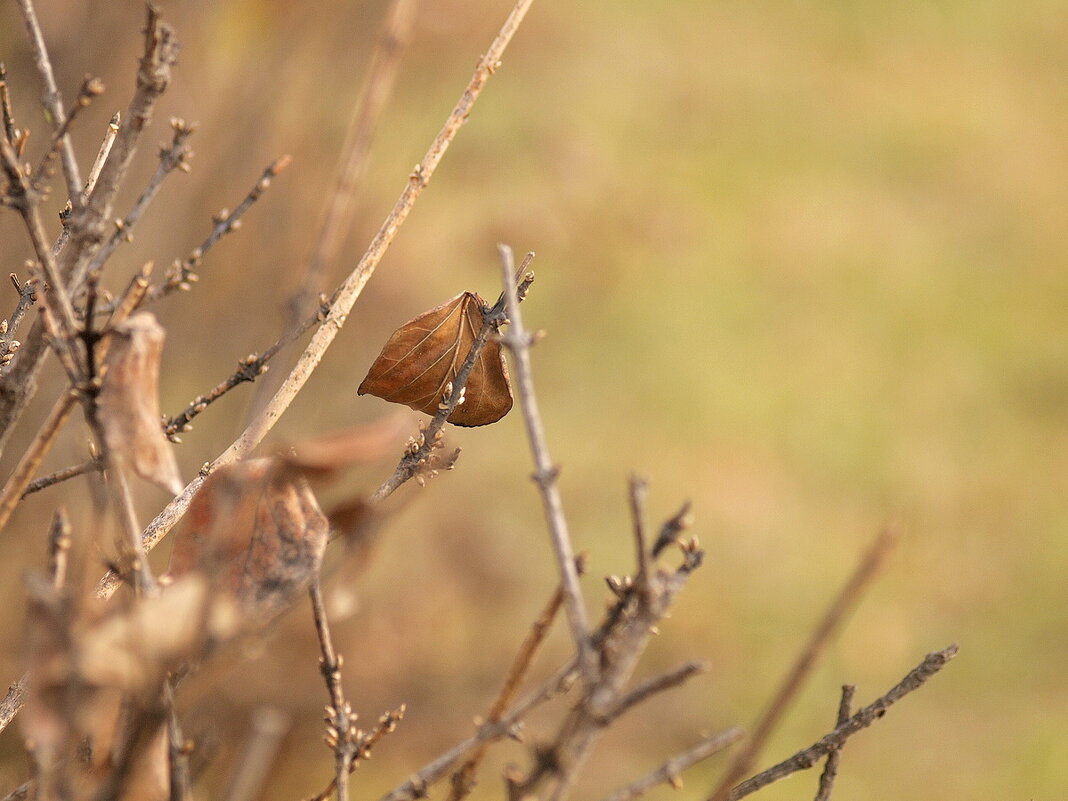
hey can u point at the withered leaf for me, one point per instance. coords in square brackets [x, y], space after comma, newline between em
[257, 531]
[424, 355]
[129, 401]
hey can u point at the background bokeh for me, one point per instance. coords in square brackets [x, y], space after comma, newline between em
[803, 264]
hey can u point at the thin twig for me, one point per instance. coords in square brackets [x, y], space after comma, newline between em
[26, 199]
[182, 274]
[91, 88]
[102, 155]
[654, 685]
[671, 771]
[518, 341]
[341, 733]
[52, 101]
[31, 459]
[11, 133]
[381, 77]
[345, 296]
[364, 743]
[269, 726]
[248, 369]
[38, 484]
[830, 769]
[843, 604]
[177, 751]
[58, 547]
[153, 76]
[808, 757]
[416, 785]
[639, 487]
[463, 780]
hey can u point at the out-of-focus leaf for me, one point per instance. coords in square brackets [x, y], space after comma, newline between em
[133, 649]
[129, 401]
[337, 450]
[256, 528]
[423, 356]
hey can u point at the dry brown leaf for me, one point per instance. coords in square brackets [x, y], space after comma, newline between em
[256, 528]
[129, 401]
[423, 356]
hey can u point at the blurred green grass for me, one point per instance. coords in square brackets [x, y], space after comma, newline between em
[803, 264]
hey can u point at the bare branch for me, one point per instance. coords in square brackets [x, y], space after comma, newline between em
[11, 133]
[248, 369]
[52, 101]
[183, 273]
[843, 604]
[381, 76]
[654, 685]
[38, 484]
[463, 780]
[31, 459]
[639, 487]
[269, 725]
[341, 733]
[830, 770]
[415, 787]
[671, 771]
[518, 341]
[91, 88]
[174, 157]
[805, 759]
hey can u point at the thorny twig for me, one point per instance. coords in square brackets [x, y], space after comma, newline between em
[110, 133]
[386, 723]
[808, 757]
[671, 771]
[10, 132]
[518, 341]
[830, 769]
[843, 604]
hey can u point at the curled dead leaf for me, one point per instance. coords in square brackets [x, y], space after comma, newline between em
[422, 357]
[129, 401]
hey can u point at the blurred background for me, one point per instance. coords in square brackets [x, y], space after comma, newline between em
[803, 264]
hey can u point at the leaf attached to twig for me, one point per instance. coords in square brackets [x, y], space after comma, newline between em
[421, 359]
[129, 401]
